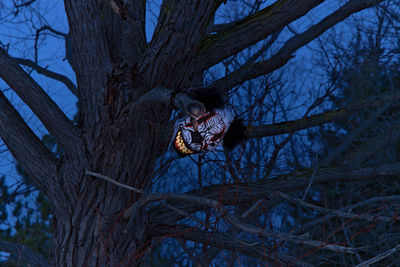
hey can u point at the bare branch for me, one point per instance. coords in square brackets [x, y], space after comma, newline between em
[241, 225]
[66, 38]
[351, 136]
[204, 202]
[263, 48]
[51, 74]
[251, 71]
[252, 29]
[319, 119]
[38, 32]
[108, 179]
[245, 192]
[24, 4]
[22, 252]
[25, 146]
[222, 240]
[46, 27]
[373, 146]
[180, 212]
[338, 213]
[379, 257]
[39, 102]
[215, 28]
[287, 237]
[350, 207]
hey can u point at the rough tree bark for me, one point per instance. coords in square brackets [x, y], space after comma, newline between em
[127, 88]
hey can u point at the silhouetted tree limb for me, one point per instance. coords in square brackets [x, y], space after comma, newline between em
[223, 240]
[319, 119]
[39, 31]
[252, 29]
[309, 225]
[379, 257]
[25, 146]
[338, 213]
[38, 101]
[254, 70]
[227, 194]
[51, 74]
[268, 234]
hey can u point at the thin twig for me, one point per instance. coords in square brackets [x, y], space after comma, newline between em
[184, 213]
[228, 217]
[379, 257]
[287, 237]
[51, 74]
[239, 224]
[338, 213]
[348, 208]
[251, 209]
[108, 179]
[312, 177]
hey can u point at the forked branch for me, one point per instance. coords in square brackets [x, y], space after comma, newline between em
[221, 240]
[252, 29]
[251, 71]
[51, 74]
[247, 192]
[322, 118]
[39, 102]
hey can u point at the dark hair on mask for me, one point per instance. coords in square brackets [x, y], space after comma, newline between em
[210, 97]
[236, 133]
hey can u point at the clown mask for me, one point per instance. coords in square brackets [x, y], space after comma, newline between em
[194, 134]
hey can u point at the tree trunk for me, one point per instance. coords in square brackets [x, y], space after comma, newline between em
[89, 226]
[96, 234]
[90, 229]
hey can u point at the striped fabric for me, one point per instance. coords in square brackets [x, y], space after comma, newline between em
[203, 133]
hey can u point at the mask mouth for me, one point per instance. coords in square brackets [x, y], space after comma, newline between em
[180, 146]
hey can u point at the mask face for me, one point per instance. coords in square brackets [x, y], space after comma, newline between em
[203, 133]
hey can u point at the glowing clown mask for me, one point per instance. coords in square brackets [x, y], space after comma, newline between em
[203, 133]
